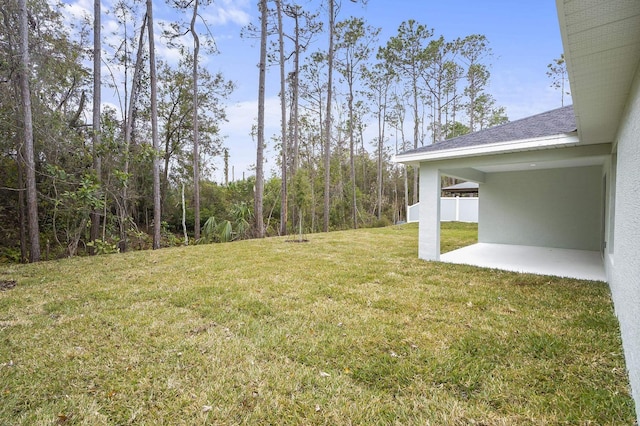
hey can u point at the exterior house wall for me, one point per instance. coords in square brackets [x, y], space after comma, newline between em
[559, 208]
[623, 260]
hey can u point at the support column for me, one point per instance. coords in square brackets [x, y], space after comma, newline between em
[429, 231]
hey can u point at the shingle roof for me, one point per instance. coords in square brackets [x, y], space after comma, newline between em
[464, 186]
[551, 123]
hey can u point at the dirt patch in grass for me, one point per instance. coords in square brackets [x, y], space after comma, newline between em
[7, 285]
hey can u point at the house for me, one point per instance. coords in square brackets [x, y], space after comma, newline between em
[561, 186]
[468, 189]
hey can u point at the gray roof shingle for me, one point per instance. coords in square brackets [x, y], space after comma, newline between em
[550, 123]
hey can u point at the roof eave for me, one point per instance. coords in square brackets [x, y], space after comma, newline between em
[601, 41]
[547, 142]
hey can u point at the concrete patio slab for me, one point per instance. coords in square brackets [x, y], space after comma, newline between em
[581, 264]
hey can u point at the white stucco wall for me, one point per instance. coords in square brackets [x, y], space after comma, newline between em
[429, 227]
[559, 208]
[623, 264]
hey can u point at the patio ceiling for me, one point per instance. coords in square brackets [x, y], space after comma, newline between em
[475, 168]
[602, 47]
[597, 160]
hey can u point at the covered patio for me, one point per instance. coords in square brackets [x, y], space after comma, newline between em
[580, 264]
[542, 196]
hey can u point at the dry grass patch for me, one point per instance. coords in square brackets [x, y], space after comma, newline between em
[349, 328]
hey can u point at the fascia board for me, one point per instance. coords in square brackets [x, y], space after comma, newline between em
[557, 141]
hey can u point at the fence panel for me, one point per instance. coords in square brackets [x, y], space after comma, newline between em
[458, 209]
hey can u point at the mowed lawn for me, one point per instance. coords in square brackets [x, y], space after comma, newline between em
[348, 328]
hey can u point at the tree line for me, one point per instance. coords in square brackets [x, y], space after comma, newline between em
[136, 173]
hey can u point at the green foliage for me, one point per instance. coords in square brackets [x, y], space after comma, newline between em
[139, 239]
[208, 231]
[227, 230]
[455, 129]
[176, 112]
[557, 72]
[407, 65]
[301, 190]
[169, 238]
[406, 51]
[212, 231]
[103, 247]
[84, 198]
[242, 218]
[10, 255]
[380, 223]
[72, 198]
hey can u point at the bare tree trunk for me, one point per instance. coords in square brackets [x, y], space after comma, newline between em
[381, 114]
[284, 208]
[406, 194]
[128, 130]
[72, 247]
[21, 210]
[405, 174]
[352, 163]
[29, 155]
[19, 144]
[395, 215]
[295, 102]
[312, 179]
[320, 122]
[258, 196]
[184, 219]
[154, 129]
[97, 100]
[196, 141]
[416, 133]
[226, 167]
[327, 141]
[438, 121]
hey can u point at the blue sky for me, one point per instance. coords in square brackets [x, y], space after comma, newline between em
[524, 37]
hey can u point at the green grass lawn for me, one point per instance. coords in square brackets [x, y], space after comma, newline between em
[348, 328]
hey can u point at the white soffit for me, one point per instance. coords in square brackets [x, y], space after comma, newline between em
[602, 47]
[542, 165]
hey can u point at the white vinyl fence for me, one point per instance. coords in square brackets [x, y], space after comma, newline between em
[458, 209]
[414, 213]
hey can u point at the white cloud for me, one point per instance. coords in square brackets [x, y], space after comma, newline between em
[78, 10]
[228, 11]
[242, 147]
